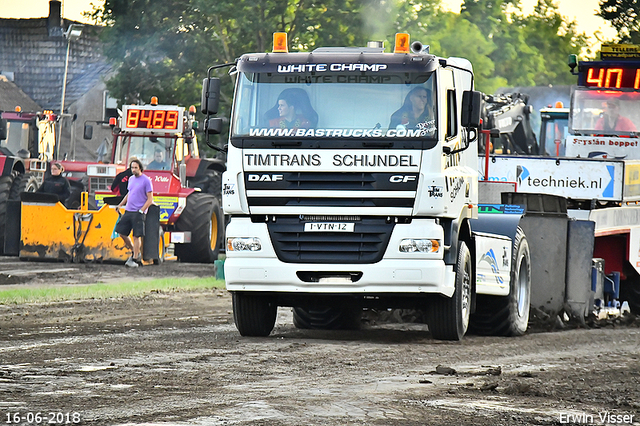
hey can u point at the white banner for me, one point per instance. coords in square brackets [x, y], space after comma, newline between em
[579, 179]
[603, 147]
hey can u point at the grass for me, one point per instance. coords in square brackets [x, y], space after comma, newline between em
[104, 291]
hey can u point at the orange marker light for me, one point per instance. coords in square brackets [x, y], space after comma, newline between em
[192, 109]
[112, 121]
[280, 43]
[154, 100]
[402, 43]
[559, 104]
[18, 109]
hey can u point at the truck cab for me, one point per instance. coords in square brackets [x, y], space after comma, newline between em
[351, 182]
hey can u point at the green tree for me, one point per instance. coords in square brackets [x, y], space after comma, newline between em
[554, 39]
[528, 50]
[624, 16]
[165, 48]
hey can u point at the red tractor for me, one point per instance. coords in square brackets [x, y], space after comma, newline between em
[27, 142]
[186, 187]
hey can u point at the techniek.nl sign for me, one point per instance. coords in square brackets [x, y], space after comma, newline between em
[576, 179]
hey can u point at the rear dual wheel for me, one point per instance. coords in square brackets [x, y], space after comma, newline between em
[508, 315]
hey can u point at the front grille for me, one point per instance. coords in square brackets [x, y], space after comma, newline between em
[99, 184]
[366, 244]
[331, 189]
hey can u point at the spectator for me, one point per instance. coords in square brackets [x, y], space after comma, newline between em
[56, 183]
[136, 202]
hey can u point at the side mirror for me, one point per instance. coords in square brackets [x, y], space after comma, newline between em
[3, 129]
[213, 126]
[471, 108]
[210, 99]
[88, 132]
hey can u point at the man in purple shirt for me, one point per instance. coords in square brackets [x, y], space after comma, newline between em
[136, 202]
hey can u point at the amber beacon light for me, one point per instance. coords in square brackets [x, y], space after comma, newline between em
[402, 43]
[280, 43]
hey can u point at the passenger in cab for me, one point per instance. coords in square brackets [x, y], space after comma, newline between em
[415, 112]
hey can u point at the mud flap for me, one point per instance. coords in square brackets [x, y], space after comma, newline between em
[151, 240]
[580, 245]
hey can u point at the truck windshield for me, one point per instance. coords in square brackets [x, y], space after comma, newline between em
[604, 112]
[340, 105]
[155, 152]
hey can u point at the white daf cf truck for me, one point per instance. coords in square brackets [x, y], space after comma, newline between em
[352, 183]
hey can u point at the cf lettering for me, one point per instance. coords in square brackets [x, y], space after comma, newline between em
[403, 179]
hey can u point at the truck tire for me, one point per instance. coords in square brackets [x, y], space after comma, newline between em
[254, 314]
[449, 316]
[328, 318]
[630, 289]
[5, 189]
[203, 218]
[507, 315]
[23, 182]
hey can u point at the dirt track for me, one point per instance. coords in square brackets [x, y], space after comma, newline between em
[176, 358]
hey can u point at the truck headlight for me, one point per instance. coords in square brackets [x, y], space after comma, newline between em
[422, 245]
[244, 244]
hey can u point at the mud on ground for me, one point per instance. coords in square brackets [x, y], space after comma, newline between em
[176, 358]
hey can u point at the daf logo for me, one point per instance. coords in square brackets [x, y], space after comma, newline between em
[401, 179]
[265, 178]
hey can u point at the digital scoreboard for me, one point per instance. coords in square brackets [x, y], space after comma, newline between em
[161, 118]
[611, 76]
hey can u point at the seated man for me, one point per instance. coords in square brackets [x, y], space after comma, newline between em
[158, 162]
[290, 113]
[611, 119]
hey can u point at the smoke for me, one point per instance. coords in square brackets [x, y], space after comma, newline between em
[379, 18]
[541, 97]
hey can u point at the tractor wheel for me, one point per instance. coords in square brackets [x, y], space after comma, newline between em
[203, 218]
[210, 182]
[215, 184]
[507, 315]
[23, 182]
[449, 316]
[5, 190]
[254, 314]
[328, 318]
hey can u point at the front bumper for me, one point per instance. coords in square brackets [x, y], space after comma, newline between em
[395, 273]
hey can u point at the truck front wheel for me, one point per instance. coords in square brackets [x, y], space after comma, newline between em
[508, 315]
[254, 314]
[449, 316]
